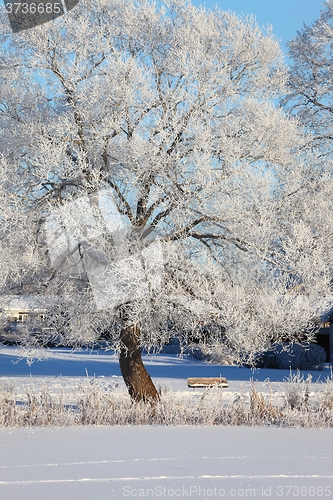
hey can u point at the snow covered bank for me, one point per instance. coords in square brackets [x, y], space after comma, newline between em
[92, 392]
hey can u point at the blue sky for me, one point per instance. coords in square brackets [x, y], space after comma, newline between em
[286, 16]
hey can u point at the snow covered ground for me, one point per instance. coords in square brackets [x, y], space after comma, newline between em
[111, 463]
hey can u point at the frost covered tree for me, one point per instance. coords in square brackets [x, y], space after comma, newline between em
[149, 183]
[310, 99]
[310, 86]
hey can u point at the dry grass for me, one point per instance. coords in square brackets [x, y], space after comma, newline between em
[98, 405]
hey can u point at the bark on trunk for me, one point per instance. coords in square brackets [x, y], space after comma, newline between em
[138, 382]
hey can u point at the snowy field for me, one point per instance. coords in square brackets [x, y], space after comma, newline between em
[111, 463]
[157, 462]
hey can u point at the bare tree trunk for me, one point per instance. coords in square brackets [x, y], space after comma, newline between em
[139, 384]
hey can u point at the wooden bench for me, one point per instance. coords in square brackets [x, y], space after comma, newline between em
[202, 382]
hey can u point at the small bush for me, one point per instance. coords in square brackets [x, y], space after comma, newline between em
[296, 357]
[297, 391]
[221, 355]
